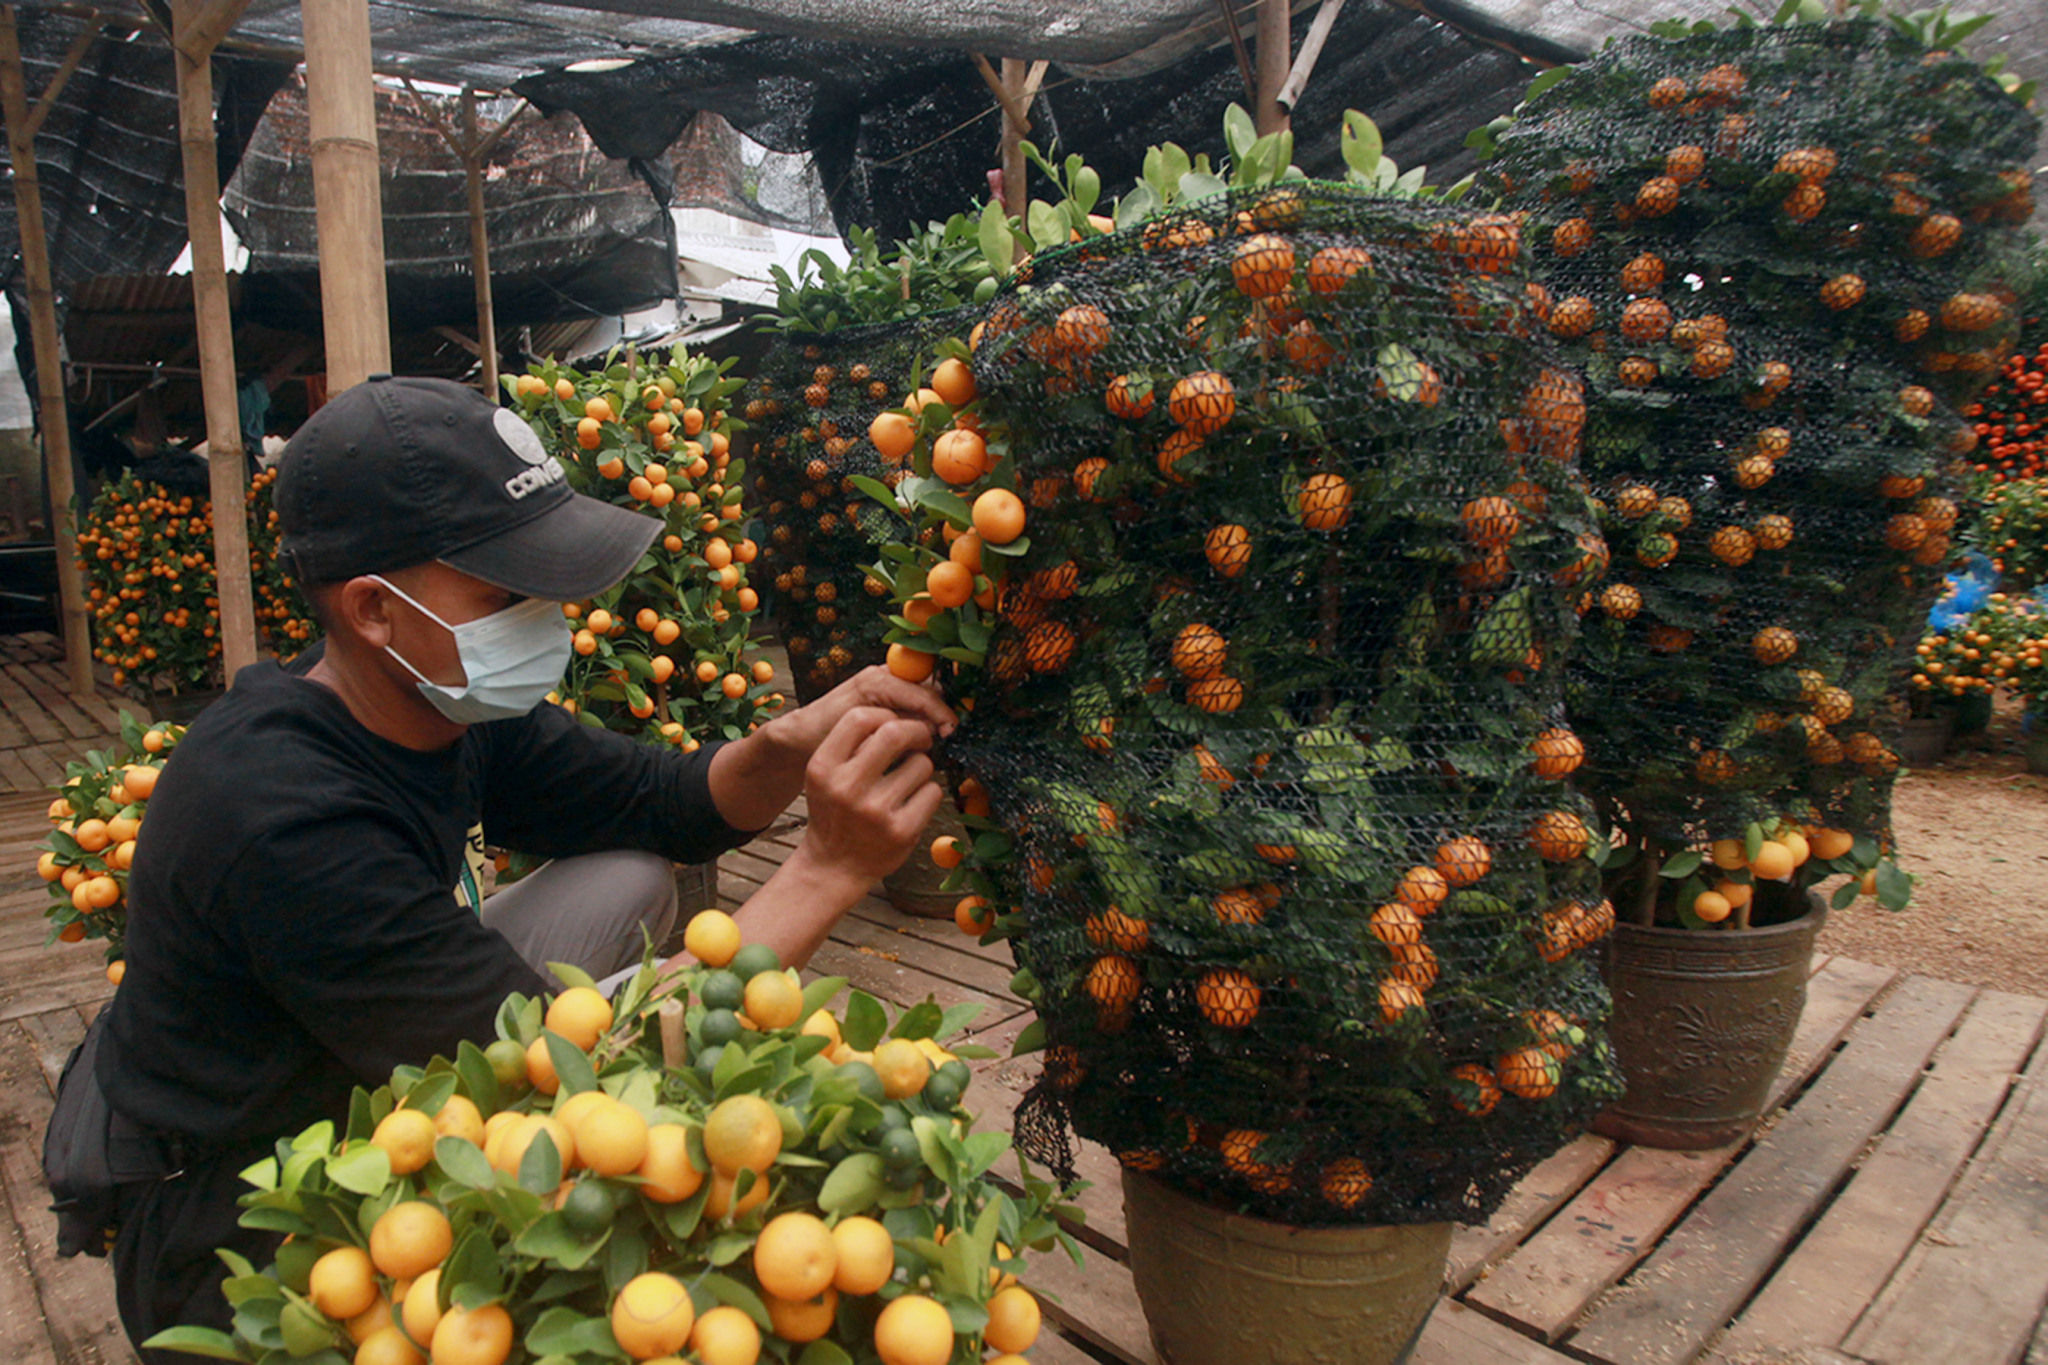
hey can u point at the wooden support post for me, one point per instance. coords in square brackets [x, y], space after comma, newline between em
[1274, 60]
[42, 313]
[474, 151]
[479, 246]
[341, 106]
[1014, 90]
[227, 466]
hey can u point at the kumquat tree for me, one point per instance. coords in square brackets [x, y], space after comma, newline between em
[147, 554]
[96, 818]
[1780, 258]
[1250, 551]
[664, 655]
[637, 1180]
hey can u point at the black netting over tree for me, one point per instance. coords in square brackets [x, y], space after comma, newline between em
[1270, 728]
[814, 400]
[1775, 256]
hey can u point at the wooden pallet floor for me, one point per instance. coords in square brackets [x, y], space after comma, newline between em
[43, 725]
[1893, 1208]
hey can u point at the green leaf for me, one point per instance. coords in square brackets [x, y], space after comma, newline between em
[479, 1082]
[1086, 188]
[1845, 895]
[958, 1017]
[865, 1023]
[572, 975]
[1201, 184]
[540, 1170]
[1894, 887]
[1361, 143]
[1048, 229]
[919, 1021]
[362, 1169]
[853, 1185]
[1239, 131]
[564, 1331]
[1681, 864]
[200, 1341]
[823, 1352]
[572, 1065]
[731, 1292]
[1030, 1040]
[1135, 207]
[818, 994]
[463, 1162]
[1545, 81]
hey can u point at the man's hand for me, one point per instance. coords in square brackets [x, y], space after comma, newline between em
[870, 791]
[754, 779]
[805, 728]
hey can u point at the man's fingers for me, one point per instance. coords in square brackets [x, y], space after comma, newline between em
[850, 732]
[885, 745]
[917, 812]
[881, 687]
[903, 779]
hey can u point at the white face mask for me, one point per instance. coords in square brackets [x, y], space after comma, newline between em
[512, 658]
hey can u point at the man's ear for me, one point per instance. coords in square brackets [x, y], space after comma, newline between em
[363, 608]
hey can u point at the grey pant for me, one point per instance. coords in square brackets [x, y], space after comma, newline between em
[597, 911]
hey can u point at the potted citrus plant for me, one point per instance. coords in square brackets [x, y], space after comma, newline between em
[716, 1162]
[1251, 561]
[96, 817]
[1776, 299]
[665, 655]
[147, 554]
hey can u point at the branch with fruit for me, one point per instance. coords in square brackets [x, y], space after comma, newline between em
[716, 1162]
[96, 819]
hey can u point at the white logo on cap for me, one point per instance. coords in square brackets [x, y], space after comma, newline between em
[514, 432]
[544, 469]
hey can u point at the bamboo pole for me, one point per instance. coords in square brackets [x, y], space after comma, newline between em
[341, 105]
[42, 313]
[227, 467]
[1274, 61]
[479, 246]
[1016, 123]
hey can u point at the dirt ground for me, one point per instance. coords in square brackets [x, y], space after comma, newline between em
[1974, 830]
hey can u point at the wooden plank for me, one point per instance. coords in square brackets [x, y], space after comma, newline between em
[47, 772]
[1691, 1286]
[1475, 1249]
[96, 706]
[977, 973]
[42, 728]
[1096, 1304]
[1841, 1265]
[900, 983]
[1457, 1335]
[22, 1335]
[52, 1036]
[16, 775]
[1614, 1221]
[77, 1295]
[52, 699]
[1971, 1291]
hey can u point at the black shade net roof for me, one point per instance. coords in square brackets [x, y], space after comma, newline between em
[881, 95]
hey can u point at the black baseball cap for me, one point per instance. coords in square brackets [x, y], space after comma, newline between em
[402, 471]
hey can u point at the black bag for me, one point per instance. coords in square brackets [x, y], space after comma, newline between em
[77, 1159]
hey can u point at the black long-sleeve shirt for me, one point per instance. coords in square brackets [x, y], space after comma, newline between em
[291, 927]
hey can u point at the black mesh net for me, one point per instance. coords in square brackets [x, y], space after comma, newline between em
[1270, 724]
[813, 401]
[1778, 259]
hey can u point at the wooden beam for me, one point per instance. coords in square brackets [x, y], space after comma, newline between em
[479, 247]
[48, 100]
[1016, 168]
[1237, 45]
[347, 195]
[1311, 49]
[42, 313]
[227, 466]
[197, 26]
[1275, 18]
